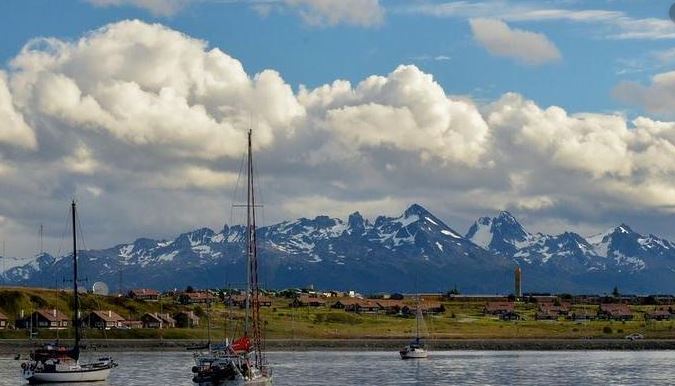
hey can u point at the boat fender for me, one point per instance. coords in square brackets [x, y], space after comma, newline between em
[195, 369]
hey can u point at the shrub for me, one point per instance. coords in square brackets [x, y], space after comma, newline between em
[607, 330]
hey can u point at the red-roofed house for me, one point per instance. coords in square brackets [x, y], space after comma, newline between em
[147, 294]
[104, 320]
[615, 312]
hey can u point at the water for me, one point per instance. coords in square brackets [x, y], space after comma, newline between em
[384, 368]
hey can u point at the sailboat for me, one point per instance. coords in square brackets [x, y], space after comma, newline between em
[59, 363]
[415, 349]
[242, 361]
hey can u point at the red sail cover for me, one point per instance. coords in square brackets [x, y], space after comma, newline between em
[242, 344]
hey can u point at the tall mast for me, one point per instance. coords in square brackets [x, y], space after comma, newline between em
[249, 254]
[253, 305]
[76, 307]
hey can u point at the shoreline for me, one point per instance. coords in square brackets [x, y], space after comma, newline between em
[14, 346]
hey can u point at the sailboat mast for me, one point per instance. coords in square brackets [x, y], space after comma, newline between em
[76, 306]
[249, 255]
[417, 317]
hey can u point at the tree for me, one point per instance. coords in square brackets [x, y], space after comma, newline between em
[615, 292]
[454, 291]
[189, 289]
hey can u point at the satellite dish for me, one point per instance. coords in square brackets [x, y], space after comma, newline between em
[100, 288]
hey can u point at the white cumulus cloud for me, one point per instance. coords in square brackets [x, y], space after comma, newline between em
[523, 46]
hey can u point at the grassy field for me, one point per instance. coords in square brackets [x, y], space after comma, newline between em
[459, 321]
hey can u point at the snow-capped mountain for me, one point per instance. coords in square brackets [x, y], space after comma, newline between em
[572, 258]
[415, 250]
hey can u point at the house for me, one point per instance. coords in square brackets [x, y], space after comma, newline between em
[196, 298]
[186, 319]
[157, 320]
[307, 300]
[615, 311]
[146, 294]
[360, 306]
[658, 314]
[240, 301]
[550, 311]
[390, 306]
[498, 308]
[3, 321]
[50, 319]
[104, 320]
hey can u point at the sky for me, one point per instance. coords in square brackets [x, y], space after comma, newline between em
[559, 111]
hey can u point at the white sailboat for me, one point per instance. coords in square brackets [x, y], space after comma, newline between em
[415, 349]
[242, 361]
[54, 363]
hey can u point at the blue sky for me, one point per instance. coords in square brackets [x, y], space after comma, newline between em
[559, 111]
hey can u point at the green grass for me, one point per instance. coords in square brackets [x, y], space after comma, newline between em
[460, 320]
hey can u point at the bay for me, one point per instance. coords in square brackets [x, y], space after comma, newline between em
[385, 368]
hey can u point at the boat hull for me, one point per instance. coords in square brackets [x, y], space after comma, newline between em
[237, 382]
[417, 354]
[68, 376]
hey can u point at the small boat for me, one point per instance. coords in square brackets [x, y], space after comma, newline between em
[415, 349]
[242, 361]
[55, 363]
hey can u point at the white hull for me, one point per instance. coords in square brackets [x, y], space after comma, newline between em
[68, 376]
[413, 353]
[237, 382]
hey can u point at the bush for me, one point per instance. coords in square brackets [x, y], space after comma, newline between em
[607, 330]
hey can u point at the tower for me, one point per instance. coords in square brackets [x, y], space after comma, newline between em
[518, 279]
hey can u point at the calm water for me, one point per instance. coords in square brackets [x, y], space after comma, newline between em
[384, 368]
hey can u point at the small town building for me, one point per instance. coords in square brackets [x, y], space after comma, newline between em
[104, 320]
[658, 314]
[307, 300]
[196, 298]
[157, 320]
[614, 311]
[391, 306]
[551, 311]
[360, 306]
[145, 294]
[240, 301]
[498, 308]
[186, 319]
[51, 319]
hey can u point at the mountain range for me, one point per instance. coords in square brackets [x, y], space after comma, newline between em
[414, 251]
